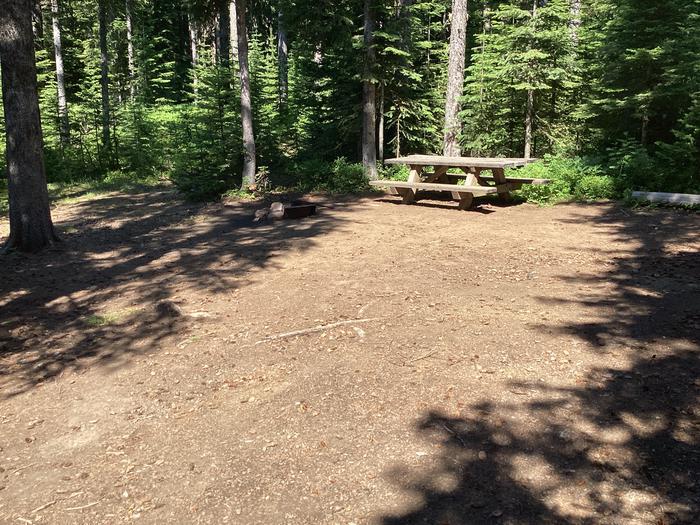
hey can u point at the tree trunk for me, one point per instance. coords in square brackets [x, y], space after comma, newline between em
[529, 116]
[380, 138]
[31, 228]
[397, 152]
[104, 78]
[369, 143]
[37, 20]
[246, 105]
[455, 76]
[530, 110]
[194, 56]
[234, 30]
[282, 59]
[575, 20]
[130, 50]
[64, 128]
[224, 34]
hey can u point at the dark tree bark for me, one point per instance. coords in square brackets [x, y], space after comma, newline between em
[246, 104]
[129, 50]
[380, 126]
[104, 79]
[31, 228]
[455, 77]
[369, 143]
[37, 20]
[64, 127]
[224, 32]
[282, 60]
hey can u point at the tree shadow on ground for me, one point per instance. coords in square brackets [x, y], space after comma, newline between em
[623, 444]
[94, 299]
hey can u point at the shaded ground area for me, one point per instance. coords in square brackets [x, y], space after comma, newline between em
[520, 365]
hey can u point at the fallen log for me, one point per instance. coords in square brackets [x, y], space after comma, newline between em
[667, 198]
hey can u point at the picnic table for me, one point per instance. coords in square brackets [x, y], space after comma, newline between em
[472, 182]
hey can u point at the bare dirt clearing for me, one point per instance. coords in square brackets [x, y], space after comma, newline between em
[529, 365]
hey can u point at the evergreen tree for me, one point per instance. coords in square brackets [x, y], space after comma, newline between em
[31, 228]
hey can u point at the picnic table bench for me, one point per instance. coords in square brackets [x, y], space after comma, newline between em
[475, 183]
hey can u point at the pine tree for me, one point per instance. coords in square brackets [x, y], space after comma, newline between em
[455, 76]
[31, 228]
[248, 176]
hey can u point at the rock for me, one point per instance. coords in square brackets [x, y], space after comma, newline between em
[276, 210]
[168, 309]
[261, 214]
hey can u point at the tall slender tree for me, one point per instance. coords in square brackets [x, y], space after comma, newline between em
[233, 22]
[369, 143]
[31, 228]
[575, 22]
[224, 33]
[248, 177]
[530, 106]
[64, 127]
[104, 79]
[129, 49]
[194, 54]
[282, 58]
[455, 77]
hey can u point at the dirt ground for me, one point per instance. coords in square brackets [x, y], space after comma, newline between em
[506, 365]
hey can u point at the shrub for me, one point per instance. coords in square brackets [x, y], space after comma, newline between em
[340, 176]
[565, 174]
[202, 186]
[593, 187]
[555, 191]
[394, 172]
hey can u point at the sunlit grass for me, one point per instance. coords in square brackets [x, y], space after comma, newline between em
[74, 191]
[110, 318]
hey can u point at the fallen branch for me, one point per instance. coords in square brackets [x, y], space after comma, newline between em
[20, 469]
[424, 356]
[83, 506]
[44, 506]
[318, 328]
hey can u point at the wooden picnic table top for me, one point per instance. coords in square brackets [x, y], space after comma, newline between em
[460, 162]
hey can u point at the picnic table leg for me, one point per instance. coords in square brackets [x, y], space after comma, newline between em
[409, 194]
[473, 177]
[465, 201]
[502, 185]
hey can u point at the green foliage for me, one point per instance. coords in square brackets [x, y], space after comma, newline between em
[340, 176]
[621, 88]
[4, 205]
[398, 172]
[521, 50]
[571, 178]
[594, 187]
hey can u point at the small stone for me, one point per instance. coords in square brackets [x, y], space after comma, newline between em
[261, 214]
[497, 513]
[168, 309]
[482, 455]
